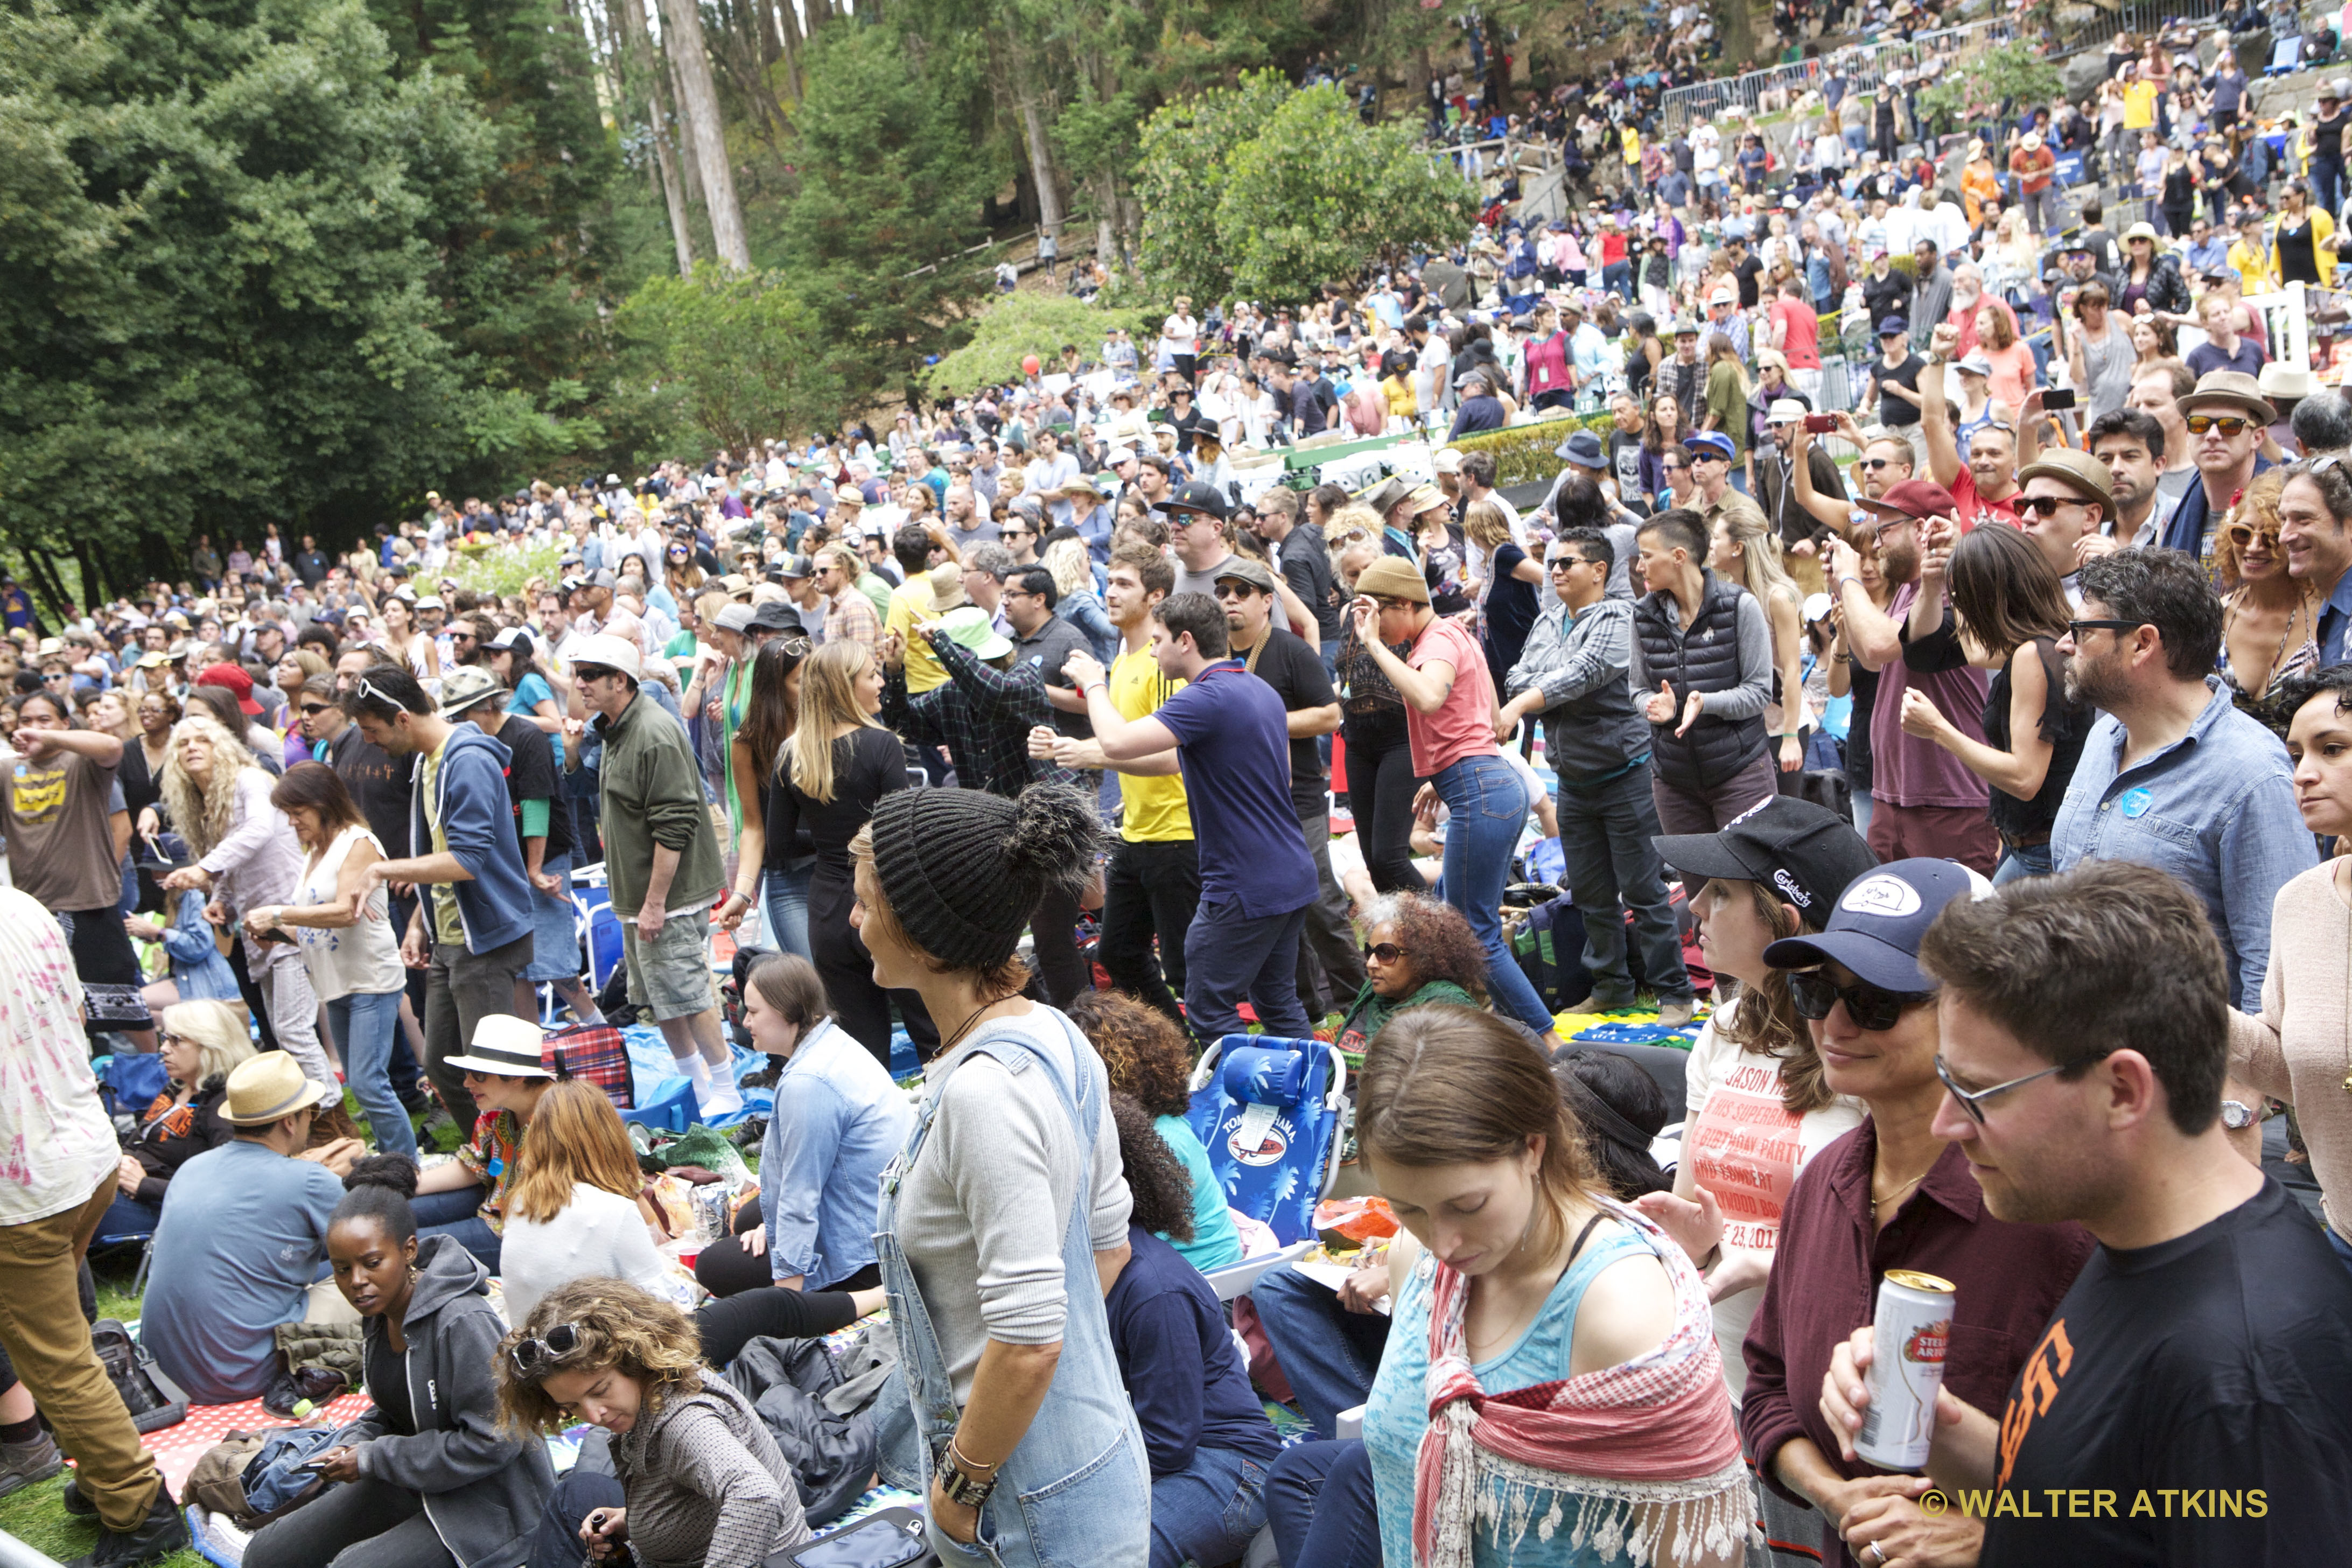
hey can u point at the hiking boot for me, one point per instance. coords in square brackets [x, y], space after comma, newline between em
[161, 1533]
[1677, 1015]
[75, 1503]
[35, 1459]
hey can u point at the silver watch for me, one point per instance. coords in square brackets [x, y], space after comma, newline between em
[2237, 1115]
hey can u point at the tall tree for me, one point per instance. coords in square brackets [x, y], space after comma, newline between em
[690, 54]
[222, 280]
[647, 92]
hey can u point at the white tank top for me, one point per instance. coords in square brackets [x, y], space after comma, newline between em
[359, 958]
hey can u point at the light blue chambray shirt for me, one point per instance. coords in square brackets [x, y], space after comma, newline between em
[2216, 809]
[838, 1120]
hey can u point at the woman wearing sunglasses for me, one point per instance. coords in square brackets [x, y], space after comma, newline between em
[1890, 1195]
[424, 1478]
[1417, 951]
[697, 1477]
[2270, 627]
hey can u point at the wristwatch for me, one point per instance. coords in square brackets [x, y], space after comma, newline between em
[961, 1489]
[2237, 1115]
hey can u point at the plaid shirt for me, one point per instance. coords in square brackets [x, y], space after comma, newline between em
[983, 715]
[849, 618]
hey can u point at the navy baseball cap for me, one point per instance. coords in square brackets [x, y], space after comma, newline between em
[1879, 922]
[1892, 327]
[1806, 854]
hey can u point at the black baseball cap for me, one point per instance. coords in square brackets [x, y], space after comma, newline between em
[1197, 496]
[1879, 922]
[1807, 854]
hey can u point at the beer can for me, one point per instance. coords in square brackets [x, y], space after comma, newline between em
[1906, 1369]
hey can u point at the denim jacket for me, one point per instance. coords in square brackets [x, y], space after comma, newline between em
[839, 1119]
[2216, 809]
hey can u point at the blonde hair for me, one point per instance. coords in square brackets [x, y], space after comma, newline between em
[218, 1033]
[1485, 525]
[574, 1136]
[1761, 569]
[204, 816]
[1067, 560]
[828, 700]
[622, 1328]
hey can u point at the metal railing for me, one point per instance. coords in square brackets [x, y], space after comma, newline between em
[1866, 67]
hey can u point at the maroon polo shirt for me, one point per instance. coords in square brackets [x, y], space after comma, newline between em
[1824, 1285]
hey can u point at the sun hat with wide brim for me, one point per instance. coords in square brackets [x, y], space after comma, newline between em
[268, 1088]
[504, 1047]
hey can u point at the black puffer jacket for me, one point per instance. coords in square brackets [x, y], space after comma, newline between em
[165, 1143]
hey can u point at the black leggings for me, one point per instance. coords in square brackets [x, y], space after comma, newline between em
[1380, 787]
[726, 1268]
[728, 1323]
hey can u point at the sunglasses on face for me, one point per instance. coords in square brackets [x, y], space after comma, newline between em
[1873, 1008]
[311, 708]
[534, 1356]
[1234, 591]
[2043, 506]
[2244, 533]
[1383, 951]
[2226, 424]
[1876, 463]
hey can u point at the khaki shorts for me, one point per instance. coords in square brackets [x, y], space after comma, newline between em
[670, 976]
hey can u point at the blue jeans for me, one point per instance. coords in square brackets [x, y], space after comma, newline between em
[1487, 806]
[1606, 840]
[365, 1027]
[1330, 1354]
[785, 895]
[2017, 864]
[459, 1213]
[1228, 955]
[1319, 1502]
[1208, 1510]
[129, 1216]
[555, 1542]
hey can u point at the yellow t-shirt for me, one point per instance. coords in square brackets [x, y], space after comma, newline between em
[2253, 268]
[910, 604]
[1157, 812]
[448, 931]
[2139, 105]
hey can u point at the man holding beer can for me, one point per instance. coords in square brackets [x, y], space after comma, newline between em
[1890, 1200]
[2190, 1399]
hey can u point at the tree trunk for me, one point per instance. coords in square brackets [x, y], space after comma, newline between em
[788, 33]
[1041, 163]
[690, 56]
[637, 50]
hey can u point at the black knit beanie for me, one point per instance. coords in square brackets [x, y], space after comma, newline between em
[963, 869]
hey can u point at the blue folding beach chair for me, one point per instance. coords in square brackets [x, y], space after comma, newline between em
[1270, 1111]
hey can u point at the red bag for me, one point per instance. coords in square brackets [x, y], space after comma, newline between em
[592, 1053]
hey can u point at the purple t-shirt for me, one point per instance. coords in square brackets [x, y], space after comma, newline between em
[1905, 769]
[1233, 745]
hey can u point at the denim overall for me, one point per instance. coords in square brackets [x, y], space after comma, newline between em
[1076, 1491]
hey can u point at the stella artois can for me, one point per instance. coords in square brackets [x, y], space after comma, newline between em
[1906, 1369]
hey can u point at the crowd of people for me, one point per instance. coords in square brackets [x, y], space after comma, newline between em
[2001, 767]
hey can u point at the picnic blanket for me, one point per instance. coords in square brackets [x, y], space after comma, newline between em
[178, 1448]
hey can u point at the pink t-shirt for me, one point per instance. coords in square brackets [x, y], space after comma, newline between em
[1465, 725]
[1904, 769]
[1802, 342]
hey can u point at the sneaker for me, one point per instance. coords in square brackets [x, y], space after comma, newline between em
[161, 1533]
[35, 1459]
[1677, 1015]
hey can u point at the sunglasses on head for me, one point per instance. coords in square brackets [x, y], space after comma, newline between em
[2228, 424]
[1385, 952]
[531, 1357]
[1874, 1008]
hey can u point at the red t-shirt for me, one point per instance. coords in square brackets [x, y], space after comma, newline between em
[1974, 508]
[2032, 169]
[1801, 339]
[1463, 725]
[1612, 248]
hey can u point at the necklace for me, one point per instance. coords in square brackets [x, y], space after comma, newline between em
[2278, 654]
[1876, 1200]
[947, 1043]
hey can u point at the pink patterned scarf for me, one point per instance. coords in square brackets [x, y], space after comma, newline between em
[1649, 1446]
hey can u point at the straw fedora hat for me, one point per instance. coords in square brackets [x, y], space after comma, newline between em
[268, 1088]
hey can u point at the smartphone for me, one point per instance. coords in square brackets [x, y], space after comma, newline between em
[1821, 424]
[2057, 398]
[269, 935]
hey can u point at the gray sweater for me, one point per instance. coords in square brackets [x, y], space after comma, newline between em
[705, 1484]
[983, 1213]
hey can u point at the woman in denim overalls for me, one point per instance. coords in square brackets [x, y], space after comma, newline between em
[1005, 1212]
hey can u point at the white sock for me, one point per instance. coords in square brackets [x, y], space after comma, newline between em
[695, 1068]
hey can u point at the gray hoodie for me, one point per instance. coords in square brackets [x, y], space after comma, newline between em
[483, 1489]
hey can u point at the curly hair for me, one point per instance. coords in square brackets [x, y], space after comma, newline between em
[2258, 508]
[1437, 937]
[204, 816]
[620, 1326]
[1147, 1055]
[1161, 1187]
